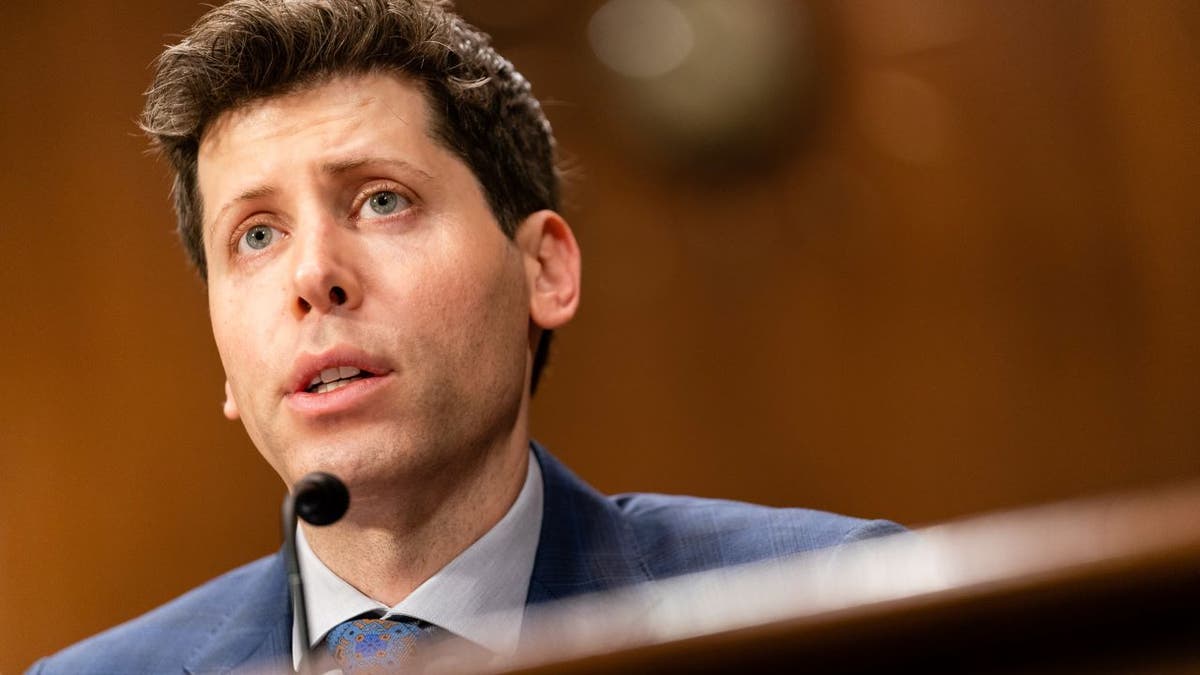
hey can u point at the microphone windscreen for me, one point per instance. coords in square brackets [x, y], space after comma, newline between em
[321, 498]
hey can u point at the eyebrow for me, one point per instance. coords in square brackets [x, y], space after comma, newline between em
[352, 163]
[249, 195]
[333, 168]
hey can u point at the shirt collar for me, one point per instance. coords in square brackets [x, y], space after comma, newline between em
[480, 595]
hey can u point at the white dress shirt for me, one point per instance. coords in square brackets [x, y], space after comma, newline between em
[480, 595]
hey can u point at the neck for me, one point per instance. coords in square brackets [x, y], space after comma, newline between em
[387, 547]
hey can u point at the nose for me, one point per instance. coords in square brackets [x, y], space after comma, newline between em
[325, 276]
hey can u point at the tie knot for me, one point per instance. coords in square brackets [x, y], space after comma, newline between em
[377, 645]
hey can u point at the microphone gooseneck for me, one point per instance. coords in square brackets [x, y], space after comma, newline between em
[320, 499]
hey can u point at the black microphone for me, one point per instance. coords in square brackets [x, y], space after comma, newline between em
[320, 499]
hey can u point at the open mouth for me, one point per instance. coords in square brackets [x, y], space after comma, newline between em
[335, 378]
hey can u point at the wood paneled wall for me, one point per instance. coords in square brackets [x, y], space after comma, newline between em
[974, 285]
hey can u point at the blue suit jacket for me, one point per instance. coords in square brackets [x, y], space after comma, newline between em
[589, 542]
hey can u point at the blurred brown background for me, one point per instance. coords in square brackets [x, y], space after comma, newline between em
[905, 259]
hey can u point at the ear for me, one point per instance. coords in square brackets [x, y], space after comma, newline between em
[552, 268]
[230, 407]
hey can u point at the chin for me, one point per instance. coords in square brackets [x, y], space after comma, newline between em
[356, 463]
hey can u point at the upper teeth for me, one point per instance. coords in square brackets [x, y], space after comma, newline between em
[334, 374]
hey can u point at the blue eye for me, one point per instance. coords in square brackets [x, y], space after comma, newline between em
[382, 203]
[258, 237]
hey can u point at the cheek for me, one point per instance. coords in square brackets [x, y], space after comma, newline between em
[239, 339]
[482, 315]
[241, 343]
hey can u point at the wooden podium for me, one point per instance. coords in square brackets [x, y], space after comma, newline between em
[1102, 585]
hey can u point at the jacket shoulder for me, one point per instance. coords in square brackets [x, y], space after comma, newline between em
[678, 535]
[160, 640]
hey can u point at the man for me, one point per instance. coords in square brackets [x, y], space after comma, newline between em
[369, 191]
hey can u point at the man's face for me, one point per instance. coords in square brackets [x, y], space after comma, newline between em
[372, 318]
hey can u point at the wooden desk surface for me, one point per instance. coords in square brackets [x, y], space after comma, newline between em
[1101, 585]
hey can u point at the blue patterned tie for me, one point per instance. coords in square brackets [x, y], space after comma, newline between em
[378, 645]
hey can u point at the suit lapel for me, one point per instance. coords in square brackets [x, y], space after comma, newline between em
[255, 632]
[586, 545]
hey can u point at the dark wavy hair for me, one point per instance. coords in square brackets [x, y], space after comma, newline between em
[480, 107]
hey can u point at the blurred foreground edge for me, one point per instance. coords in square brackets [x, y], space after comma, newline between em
[1098, 585]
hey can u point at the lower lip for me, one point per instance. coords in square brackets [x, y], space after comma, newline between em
[343, 399]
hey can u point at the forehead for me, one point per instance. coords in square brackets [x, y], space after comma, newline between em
[329, 97]
[331, 121]
[328, 100]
